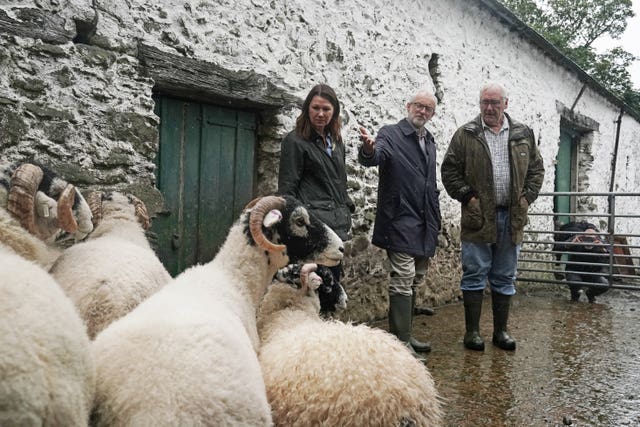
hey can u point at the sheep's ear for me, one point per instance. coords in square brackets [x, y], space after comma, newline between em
[46, 207]
[343, 299]
[272, 218]
[257, 220]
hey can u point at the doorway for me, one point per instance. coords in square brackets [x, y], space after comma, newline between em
[565, 174]
[206, 173]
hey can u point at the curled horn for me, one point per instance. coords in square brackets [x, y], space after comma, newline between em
[258, 212]
[252, 203]
[66, 220]
[141, 212]
[94, 200]
[21, 200]
[308, 278]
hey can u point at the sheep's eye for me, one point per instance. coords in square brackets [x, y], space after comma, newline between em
[300, 222]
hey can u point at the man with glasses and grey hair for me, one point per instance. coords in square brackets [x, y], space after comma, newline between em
[408, 211]
[494, 169]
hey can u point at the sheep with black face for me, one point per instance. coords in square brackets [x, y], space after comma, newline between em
[331, 293]
[356, 376]
[187, 355]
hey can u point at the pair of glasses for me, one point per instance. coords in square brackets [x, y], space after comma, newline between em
[426, 108]
[492, 102]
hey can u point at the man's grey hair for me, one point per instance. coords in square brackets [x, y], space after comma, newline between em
[424, 93]
[494, 85]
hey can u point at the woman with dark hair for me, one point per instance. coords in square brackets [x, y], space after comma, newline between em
[312, 163]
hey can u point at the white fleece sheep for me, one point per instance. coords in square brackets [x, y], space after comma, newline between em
[328, 373]
[25, 244]
[114, 270]
[47, 375]
[187, 355]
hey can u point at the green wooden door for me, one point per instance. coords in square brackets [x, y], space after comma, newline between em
[562, 204]
[205, 170]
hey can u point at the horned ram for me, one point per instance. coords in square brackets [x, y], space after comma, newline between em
[188, 354]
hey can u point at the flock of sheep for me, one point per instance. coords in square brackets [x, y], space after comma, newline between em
[98, 333]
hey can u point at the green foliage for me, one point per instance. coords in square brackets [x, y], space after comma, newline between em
[574, 25]
[581, 22]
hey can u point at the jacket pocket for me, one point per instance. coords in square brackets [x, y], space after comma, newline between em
[519, 217]
[472, 218]
[337, 217]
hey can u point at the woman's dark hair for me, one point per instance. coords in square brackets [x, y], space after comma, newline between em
[303, 124]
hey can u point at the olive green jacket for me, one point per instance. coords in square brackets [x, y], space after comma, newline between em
[318, 180]
[467, 171]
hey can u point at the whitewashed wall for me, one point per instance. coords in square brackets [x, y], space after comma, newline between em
[375, 53]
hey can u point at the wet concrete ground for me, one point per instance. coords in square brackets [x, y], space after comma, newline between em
[575, 364]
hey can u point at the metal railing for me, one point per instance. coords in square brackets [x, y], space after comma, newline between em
[546, 254]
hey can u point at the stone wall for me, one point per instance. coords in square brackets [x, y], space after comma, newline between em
[76, 93]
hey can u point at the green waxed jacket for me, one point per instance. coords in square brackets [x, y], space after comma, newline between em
[318, 180]
[467, 171]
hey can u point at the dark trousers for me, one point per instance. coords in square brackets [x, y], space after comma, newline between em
[592, 291]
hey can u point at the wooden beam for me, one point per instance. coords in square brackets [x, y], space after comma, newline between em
[204, 81]
[36, 24]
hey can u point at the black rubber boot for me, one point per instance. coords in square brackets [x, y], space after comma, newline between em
[472, 310]
[420, 346]
[500, 305]
[593, 291]
[575, 293]
[400, 321]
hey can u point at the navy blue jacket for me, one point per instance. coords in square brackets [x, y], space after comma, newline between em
[408, 213]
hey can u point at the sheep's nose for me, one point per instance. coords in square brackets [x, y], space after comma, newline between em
[341, 249]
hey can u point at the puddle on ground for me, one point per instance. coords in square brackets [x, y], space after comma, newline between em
[575, 364]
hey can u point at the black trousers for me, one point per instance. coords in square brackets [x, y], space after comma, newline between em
[574, 276]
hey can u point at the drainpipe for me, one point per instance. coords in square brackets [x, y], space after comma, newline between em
[614, 160]
[615, 151]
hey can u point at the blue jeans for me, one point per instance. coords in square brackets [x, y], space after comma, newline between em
[494, 261]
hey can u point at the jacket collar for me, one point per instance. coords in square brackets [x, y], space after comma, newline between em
[516, 129]
[408, 129]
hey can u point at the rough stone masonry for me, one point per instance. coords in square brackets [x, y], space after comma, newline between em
[76, 89]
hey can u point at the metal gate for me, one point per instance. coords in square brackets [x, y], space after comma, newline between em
[540, 260]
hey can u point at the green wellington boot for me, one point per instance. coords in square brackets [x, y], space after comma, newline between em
[472, 310]
[400, 321]
[420, 346]
[501, 338]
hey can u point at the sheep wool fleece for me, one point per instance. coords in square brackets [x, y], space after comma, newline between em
[194, 345]
[106, 279]
[24, 243]
[47, 375]
[320, 373]
[194, 362]
[187, 356]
